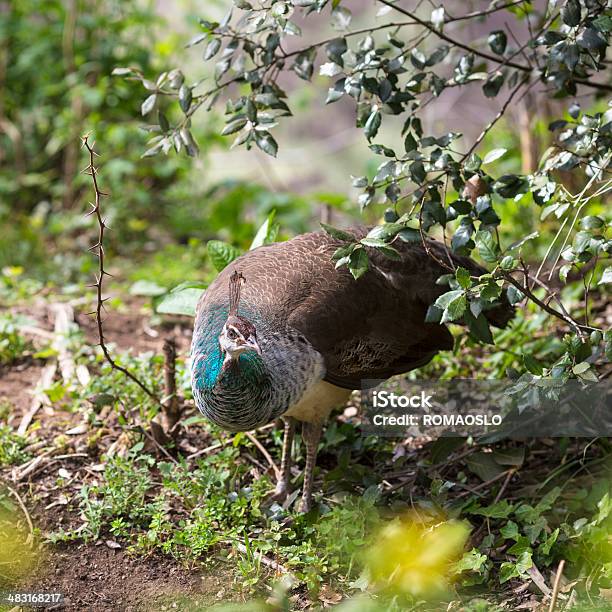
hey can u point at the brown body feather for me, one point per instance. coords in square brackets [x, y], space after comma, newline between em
[370, 328]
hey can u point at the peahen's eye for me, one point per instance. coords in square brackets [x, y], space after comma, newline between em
[231, 334]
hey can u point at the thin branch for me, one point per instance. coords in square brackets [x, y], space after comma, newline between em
[451, 41]
[96, 210]
[475, 14]
[543, 305]
[478, 52]
[497, 117]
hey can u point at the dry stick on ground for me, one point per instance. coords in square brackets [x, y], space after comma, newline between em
[30, 540]
[555, 591]
[264, 452]
[64, 316]
[40, 399]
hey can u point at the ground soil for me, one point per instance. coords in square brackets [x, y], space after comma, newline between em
[99, 578]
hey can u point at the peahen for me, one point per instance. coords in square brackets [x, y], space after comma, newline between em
[282, 333]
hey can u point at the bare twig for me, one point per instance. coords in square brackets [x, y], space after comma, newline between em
[497, 117]
[538, 580]
[96, 211]
[555, 591]
[485, 484]
[264, 452]
[16, 495]
[504, 486]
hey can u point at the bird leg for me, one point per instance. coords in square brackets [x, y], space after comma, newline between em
[311, 432]
[282, 485]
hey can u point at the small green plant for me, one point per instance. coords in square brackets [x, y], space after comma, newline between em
[13, 345]
[12, 447]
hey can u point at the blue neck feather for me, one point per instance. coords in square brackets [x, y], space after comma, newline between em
[208, 372]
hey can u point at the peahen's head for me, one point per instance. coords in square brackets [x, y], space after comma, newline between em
[238, 335]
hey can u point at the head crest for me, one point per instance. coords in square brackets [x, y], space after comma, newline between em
[235, 285]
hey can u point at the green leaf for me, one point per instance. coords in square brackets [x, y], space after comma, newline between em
[181, 302]
[494, 154]
[441, 448]
[456, 303]
[532, 364]
[510, 531]
[446, 298]
[266, 143]
[358, 263]
[493, 84]
[372, 124]
[148, 105]
[304, 64]
[513, 457]
[463, 278]
[410, 143]
[120, 71]
[147, 288]
[549, 543]
[571, 13]
[585, 371]
[591, 222]
[212, 48]
[478, 326]
[521, 546]
[502, 509]
[341, 18]
[185, 97]
[266, 233]
[338, 233]
[606, 277]
[409, 235]
[497, 41]
[487, 246]
[472, 561]
[417, 171]
[484, 466]
[234, 126]
[163, 122]
[518, 569]
[564, 271]
[221, 254]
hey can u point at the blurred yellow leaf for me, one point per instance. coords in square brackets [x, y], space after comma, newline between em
[415, 554]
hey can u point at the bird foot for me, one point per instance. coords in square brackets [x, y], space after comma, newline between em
[280, 493]
[305, 505]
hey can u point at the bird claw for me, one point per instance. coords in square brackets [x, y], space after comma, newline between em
[280, 493]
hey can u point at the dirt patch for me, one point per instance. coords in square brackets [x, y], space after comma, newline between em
[97, 578]
[16, 385]
[132, 328]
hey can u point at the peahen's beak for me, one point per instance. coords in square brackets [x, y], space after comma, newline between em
[252, 343]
